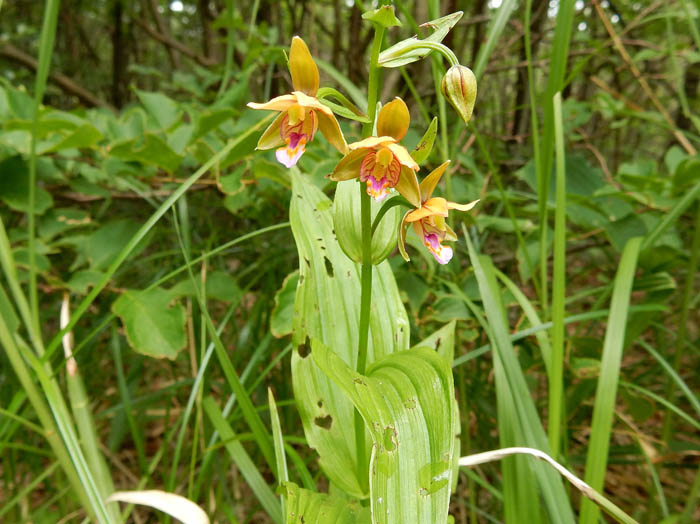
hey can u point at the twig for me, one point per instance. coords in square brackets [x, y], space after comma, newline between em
[178, 46]
[10, 52]
[642, 81]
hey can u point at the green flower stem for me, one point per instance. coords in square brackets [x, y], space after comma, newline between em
[366, 275]
[427, 44]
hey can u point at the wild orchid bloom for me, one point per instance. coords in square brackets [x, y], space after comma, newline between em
[379, 161]
[428, 218]
[301, 114]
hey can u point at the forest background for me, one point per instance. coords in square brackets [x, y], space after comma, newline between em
[141, 93]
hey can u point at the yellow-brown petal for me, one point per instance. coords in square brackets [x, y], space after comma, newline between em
[427, 186]
[312, 102]
[394, 119]
[280, 103]
[271, 137]
[349, 166]
[372, 142]
[404, 156]
[461, 207]
[437, 206]
[402, 237]
[408, 186]
[331, 130]
[303, 68]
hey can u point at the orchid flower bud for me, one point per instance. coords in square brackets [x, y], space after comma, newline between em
[459, 87]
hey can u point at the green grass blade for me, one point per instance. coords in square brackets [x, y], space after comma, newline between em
[519, 423]
[278, 437]
[692, 397]
[240, 457]
[498, 24]
[7, 340]
[87, 430]
[672, 408]
[606, 391]
[555, 83]
[671, 217]
[26, 490]
[556, 408]
[46, 41]
[533, 318]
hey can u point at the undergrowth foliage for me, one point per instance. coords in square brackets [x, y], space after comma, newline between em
[333, 305]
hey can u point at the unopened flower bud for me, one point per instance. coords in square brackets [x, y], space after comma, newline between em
[459, 87]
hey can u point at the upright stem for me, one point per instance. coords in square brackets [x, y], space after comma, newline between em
[366, 276]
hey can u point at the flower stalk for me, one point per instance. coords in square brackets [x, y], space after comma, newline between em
[366, 273]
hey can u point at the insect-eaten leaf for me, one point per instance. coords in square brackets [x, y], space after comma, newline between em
[283, 312]
[406, 400]
[308, 507]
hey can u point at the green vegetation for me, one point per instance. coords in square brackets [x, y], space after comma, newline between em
[181, 312]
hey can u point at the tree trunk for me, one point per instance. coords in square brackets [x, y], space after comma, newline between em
[119, 57]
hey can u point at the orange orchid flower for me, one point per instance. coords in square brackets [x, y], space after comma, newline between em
[428, 218]
[380, 161]
[301, 113]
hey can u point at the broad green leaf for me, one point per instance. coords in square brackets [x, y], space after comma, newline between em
[154, 326]
[86, 135]
[442, 341]
[100, 247]
[59, 220]
[81, 281]
[348, 224]
[150, 149]
[14, 187]
[400, 53]
[309, 507]
[231, 183]
[407, 402]
[283, 313]
[211, 119]
[164, 109]
[327, 307]
[219, 285]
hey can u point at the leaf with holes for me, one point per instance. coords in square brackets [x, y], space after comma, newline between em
[309, 507]
[327, 307]
[407, 401]
[153, 326]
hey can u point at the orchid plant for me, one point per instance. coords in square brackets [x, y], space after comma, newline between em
[380, 412]
[397, 458]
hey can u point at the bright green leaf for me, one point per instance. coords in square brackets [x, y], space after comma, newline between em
[154, 326]
[327, 307]
[282, 314]
[407, 402]
[308, 507]
[164, 109]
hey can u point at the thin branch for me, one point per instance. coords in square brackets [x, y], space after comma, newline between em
[177, 46]
[10, 52]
